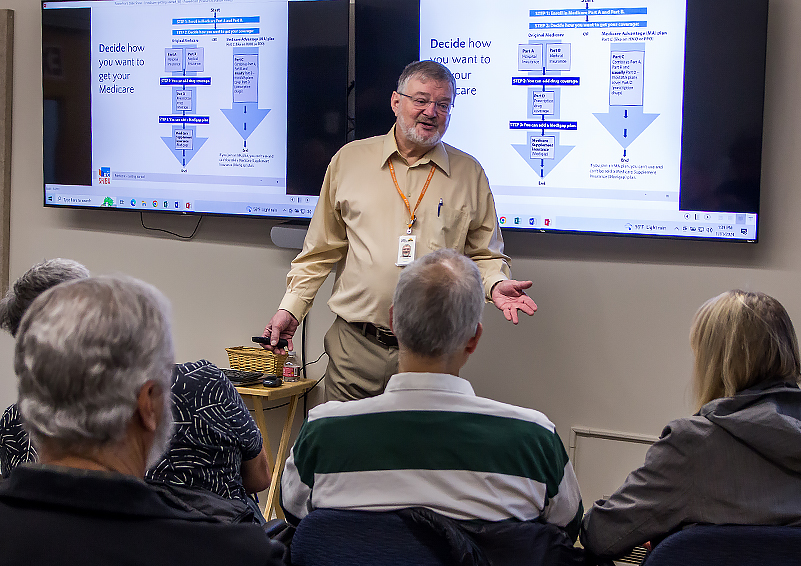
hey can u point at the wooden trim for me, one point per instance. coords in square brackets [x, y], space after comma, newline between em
[586, 432]
[6, 98]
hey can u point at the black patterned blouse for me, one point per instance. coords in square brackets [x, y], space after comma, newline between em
[15, 446]
[214, 433]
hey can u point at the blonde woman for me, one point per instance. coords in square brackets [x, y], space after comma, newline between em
[738, 459]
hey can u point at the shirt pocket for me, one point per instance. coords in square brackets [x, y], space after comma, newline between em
[450, 229]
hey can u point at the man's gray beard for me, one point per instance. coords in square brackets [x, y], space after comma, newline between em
[163, 434]
[412, 135]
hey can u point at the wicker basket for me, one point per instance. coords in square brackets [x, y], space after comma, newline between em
[255, 359]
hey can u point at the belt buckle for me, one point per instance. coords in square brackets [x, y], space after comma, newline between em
[386, 339]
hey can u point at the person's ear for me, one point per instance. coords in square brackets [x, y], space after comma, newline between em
[391, 323]
[472, 344]
[394, 102]
[150, 405]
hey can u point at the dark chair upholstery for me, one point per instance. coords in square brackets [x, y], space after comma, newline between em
[729, 545]
[331, 537]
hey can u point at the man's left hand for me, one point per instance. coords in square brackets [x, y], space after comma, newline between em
[508, 295]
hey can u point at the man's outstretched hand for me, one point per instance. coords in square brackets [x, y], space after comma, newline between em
[281, 325]
[508, 295]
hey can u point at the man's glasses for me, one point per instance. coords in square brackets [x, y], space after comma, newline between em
[419, 103]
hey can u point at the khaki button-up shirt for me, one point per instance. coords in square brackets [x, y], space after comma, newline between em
[360, 216]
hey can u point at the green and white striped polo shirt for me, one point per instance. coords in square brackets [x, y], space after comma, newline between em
[429, 441]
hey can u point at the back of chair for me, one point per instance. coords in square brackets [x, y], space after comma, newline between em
[331, 537]
[729, 545]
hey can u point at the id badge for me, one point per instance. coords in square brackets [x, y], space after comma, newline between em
[405, 250]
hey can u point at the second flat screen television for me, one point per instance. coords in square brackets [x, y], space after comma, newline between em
[625, 117]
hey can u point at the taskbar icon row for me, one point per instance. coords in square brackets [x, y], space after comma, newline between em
[153, 204]
[715, 225]
[120, 202]
[280, 209]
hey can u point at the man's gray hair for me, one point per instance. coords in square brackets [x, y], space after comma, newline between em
[438, 303]
[84, 350]
[33, 283]
[426, 71]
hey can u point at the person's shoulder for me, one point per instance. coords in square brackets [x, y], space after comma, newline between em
[361, 146]
[694, 426]
[10, 415]
[687, 436]
[199, 369]
[515, 412]
[332, 409]
[465, 167]
[201, 382]
[456, 154]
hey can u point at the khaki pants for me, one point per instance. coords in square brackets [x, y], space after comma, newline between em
[358, 366]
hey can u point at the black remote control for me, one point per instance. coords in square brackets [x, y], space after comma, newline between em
[282, 343]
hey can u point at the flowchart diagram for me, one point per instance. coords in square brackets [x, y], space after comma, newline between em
[185, 63]
[245, 114]
[626, 119]
[543, 152]
[198, 93]
[546, 62]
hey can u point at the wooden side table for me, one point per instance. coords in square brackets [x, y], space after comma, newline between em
[258, 394]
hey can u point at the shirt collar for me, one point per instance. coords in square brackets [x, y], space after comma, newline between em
[436, 154]
[443, 382]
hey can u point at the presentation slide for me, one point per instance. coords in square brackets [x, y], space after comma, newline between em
[574, 112]
[188, 104]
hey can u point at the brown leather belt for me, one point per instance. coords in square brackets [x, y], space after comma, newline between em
[383, 337]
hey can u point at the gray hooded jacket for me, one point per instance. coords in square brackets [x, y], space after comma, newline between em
[738, 461]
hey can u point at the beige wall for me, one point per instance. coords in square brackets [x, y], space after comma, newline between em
[608, 348]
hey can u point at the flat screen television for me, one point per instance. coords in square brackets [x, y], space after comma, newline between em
[624, 117]
[632, 117]
[232, 107]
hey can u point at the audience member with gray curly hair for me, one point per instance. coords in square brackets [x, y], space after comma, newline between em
[94, 359]
[15, 446]
[217, 447]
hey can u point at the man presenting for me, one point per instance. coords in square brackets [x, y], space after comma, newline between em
[428, 440]
[384, 202]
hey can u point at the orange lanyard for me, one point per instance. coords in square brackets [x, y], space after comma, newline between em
[412, 213]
